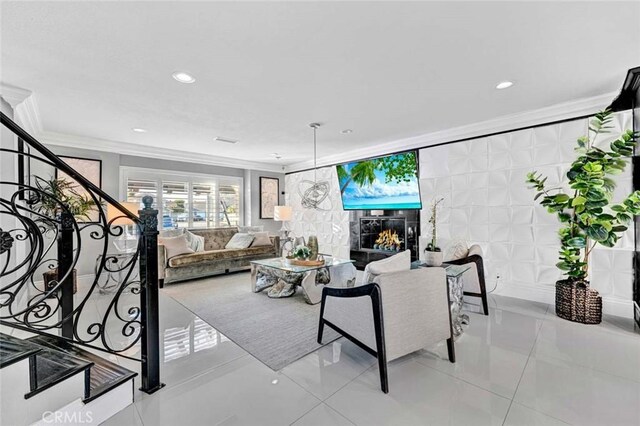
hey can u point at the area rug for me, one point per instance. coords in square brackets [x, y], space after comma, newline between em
[275, 331]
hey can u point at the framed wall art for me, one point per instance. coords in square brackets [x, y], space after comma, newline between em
[269, 196]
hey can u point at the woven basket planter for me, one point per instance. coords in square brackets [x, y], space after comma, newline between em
[576, 302]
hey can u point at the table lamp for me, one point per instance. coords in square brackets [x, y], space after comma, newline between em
[125, 242]
[283, 214]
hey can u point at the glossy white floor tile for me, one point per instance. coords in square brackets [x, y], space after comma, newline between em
[329, 368]
[521, 365]
[127, 417]
[519, 415]
[578, 395]
[593, 347]
[322, 415]
[418, 395]
[497, 369]
[241, 392]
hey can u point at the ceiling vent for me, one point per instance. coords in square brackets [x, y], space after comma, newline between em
[225, 140]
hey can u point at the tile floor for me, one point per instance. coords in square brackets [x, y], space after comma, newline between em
[521, 365]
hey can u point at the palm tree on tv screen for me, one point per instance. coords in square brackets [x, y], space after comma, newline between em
[398, 168]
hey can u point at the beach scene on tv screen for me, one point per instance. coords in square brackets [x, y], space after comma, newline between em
[385, 183]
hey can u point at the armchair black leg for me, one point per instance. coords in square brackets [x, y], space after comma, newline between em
[451, 349]
[381, 352]
[161, 283]
[320, 330]
[483, 286]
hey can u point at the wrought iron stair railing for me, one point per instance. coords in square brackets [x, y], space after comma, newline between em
[43, 231]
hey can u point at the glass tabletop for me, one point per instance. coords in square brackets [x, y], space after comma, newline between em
[279, 263]
[453, 271]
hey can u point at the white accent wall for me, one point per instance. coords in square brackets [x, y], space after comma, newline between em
[331, 226]
[487, 202]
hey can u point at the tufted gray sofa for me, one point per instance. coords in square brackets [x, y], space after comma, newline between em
[214, 259]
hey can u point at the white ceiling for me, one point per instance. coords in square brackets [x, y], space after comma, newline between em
[387, 70]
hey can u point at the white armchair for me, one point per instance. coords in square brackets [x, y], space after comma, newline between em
[397, 314]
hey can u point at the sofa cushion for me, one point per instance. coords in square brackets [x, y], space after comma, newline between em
[216, 255]
[175, 246]
[215, 238]
[240, 241]
[196, 242]
[261, 239]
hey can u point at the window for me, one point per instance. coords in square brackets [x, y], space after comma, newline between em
[186, 200]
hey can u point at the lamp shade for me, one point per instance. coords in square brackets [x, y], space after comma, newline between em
[282, 213]
[113, 212]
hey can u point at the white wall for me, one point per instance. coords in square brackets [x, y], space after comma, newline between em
[331, 226]
[487, 202]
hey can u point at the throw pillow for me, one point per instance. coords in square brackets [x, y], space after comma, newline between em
[261, 239]
[196, 242]
[239, 241]
[250, 229]
[175, 246]
[396, 263]
[457, 250]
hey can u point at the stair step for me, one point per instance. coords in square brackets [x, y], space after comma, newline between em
[104, 374]
[13, 350]
[52, 367]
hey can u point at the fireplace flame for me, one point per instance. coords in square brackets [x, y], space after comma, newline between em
[388, 238]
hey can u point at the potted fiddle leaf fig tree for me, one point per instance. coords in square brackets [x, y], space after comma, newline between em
[433, 253]
[588, 215]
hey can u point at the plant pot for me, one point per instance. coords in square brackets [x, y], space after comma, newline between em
[576, 302]
[433, 258]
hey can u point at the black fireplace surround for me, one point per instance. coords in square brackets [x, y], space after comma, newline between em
[400, 228]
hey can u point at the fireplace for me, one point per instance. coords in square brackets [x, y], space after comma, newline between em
[377, 237]
[383, 233]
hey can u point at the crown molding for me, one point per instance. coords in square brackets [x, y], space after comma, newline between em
[562, 111]
[81, 142]
[13, 95]
[25, 108]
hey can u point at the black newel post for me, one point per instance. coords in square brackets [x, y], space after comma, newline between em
[150, 339]
[65, 273]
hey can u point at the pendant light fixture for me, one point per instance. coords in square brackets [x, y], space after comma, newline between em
[315, 194]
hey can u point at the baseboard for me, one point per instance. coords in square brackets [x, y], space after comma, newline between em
[610, 305]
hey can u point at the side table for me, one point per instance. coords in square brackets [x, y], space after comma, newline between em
[456, 294]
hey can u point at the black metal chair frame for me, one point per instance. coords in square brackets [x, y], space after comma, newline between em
[373, 291]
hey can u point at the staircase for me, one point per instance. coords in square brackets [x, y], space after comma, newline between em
[57, 375]
[44, 380]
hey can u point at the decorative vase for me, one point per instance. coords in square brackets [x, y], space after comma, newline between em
[313, 246]
[299, 241]
[432, 258]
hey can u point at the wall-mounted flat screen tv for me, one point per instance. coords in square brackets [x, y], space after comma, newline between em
[383, 183]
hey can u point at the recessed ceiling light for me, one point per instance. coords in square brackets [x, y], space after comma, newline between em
[183, 77]
[225, 140]
[139, 130]
[504, 85]
[346, 131]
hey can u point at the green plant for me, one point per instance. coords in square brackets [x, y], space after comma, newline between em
[433, 246]
[301, 252]
[61, 192]
[587, 213]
